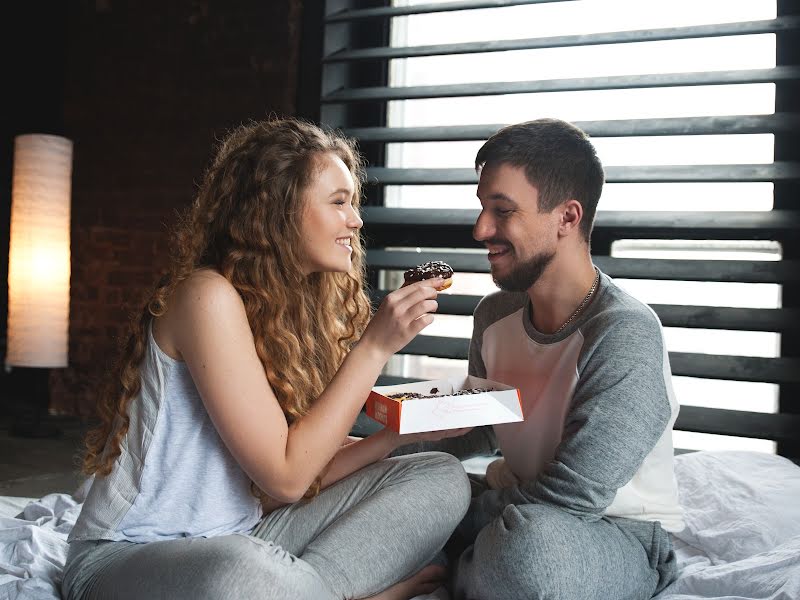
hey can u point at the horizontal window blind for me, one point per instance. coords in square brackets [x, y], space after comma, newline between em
[699, 143]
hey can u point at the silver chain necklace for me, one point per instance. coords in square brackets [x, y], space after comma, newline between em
[583, 303]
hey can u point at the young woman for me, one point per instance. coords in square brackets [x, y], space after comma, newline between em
[222, 468]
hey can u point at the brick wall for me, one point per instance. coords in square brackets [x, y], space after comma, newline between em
[149, 86]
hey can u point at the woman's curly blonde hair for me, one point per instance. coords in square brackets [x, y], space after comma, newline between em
[245, 223]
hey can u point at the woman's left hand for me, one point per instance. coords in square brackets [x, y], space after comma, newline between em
[428, 436]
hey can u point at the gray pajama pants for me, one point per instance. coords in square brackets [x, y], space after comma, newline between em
[541, 552]
[359, 536]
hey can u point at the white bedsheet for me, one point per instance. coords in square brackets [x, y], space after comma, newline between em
[33, 548]
[742, 540]
[742, 536]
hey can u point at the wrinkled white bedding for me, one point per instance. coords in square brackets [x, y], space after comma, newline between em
[742, 536]
[742, 540]
[33, 548]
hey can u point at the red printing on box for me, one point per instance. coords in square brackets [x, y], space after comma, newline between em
[384, 410]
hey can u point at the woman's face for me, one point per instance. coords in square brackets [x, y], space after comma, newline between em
[330, 221]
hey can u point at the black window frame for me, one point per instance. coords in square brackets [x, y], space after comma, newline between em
[338, 59]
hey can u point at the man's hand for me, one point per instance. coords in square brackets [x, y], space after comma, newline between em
[499, 475]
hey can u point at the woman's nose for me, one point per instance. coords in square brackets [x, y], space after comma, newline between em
[355, 221]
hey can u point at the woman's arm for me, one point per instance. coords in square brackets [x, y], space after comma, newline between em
[352, 457]
[356, 453]
[212, 334]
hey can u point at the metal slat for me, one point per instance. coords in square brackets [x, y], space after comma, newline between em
[762, 225]
[438, 347]
[429, 236]
[774, 123]
[735, 368]
[371, 94]
[744, 271]
[784, 271]
[778, 427]
[562, 41]
[399, 11]
[687, 364]
[426, 226]
[780, 320]
[395, 380]
[405, 259]
[776, 171]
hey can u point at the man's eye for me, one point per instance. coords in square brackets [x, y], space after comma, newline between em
[501, 212]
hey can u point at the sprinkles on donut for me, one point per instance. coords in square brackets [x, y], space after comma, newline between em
[429, 270]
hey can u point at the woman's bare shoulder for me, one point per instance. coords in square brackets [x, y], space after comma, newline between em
[205, 289]
[205, 296]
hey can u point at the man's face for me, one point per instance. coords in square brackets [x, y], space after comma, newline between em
[521, 240]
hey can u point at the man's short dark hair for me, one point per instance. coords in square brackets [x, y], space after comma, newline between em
[558, 159]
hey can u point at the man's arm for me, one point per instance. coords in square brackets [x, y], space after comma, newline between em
[619, 411]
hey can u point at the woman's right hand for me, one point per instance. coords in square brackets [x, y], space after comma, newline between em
[401, 316]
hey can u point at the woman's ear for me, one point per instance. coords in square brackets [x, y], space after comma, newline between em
[571, 213]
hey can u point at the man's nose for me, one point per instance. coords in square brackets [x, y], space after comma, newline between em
[483, 228]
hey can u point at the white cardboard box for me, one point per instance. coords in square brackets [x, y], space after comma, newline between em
[444, 411]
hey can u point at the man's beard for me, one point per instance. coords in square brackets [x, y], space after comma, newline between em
[524, 275]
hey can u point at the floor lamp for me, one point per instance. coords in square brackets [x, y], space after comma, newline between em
[38, 274]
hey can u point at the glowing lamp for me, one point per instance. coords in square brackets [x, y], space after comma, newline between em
[39, 252]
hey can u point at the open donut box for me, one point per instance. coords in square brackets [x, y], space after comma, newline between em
[444, 410]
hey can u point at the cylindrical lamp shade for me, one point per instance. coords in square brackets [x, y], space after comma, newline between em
[39, 252]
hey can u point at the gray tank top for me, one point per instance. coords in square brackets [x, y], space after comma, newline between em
[175, 477]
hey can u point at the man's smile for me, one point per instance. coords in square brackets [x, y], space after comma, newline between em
[498, 251]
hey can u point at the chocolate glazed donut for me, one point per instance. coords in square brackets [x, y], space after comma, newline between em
[429, 270]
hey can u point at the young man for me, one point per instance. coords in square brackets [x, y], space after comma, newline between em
[580, 504]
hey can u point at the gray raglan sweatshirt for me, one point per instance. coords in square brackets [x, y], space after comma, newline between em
[598, 404]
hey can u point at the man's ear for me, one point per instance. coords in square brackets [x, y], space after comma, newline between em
[571, 215]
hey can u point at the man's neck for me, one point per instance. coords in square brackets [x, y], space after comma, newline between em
[561, 289]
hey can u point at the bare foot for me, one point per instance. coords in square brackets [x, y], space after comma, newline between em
[425, 581]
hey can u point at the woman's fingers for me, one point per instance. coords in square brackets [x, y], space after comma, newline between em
[458, 432]
[403, 314]
[410, 303]
[435, 281]
[423, 308]
[414, 292]
[421, 323]
[433, 436]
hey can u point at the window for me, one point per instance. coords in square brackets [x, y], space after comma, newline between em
[680, 99]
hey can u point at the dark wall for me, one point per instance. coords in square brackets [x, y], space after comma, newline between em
[143, 89]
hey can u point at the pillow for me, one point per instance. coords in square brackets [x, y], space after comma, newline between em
[737, 504]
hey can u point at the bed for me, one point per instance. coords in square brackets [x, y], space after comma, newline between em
[742, 539]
